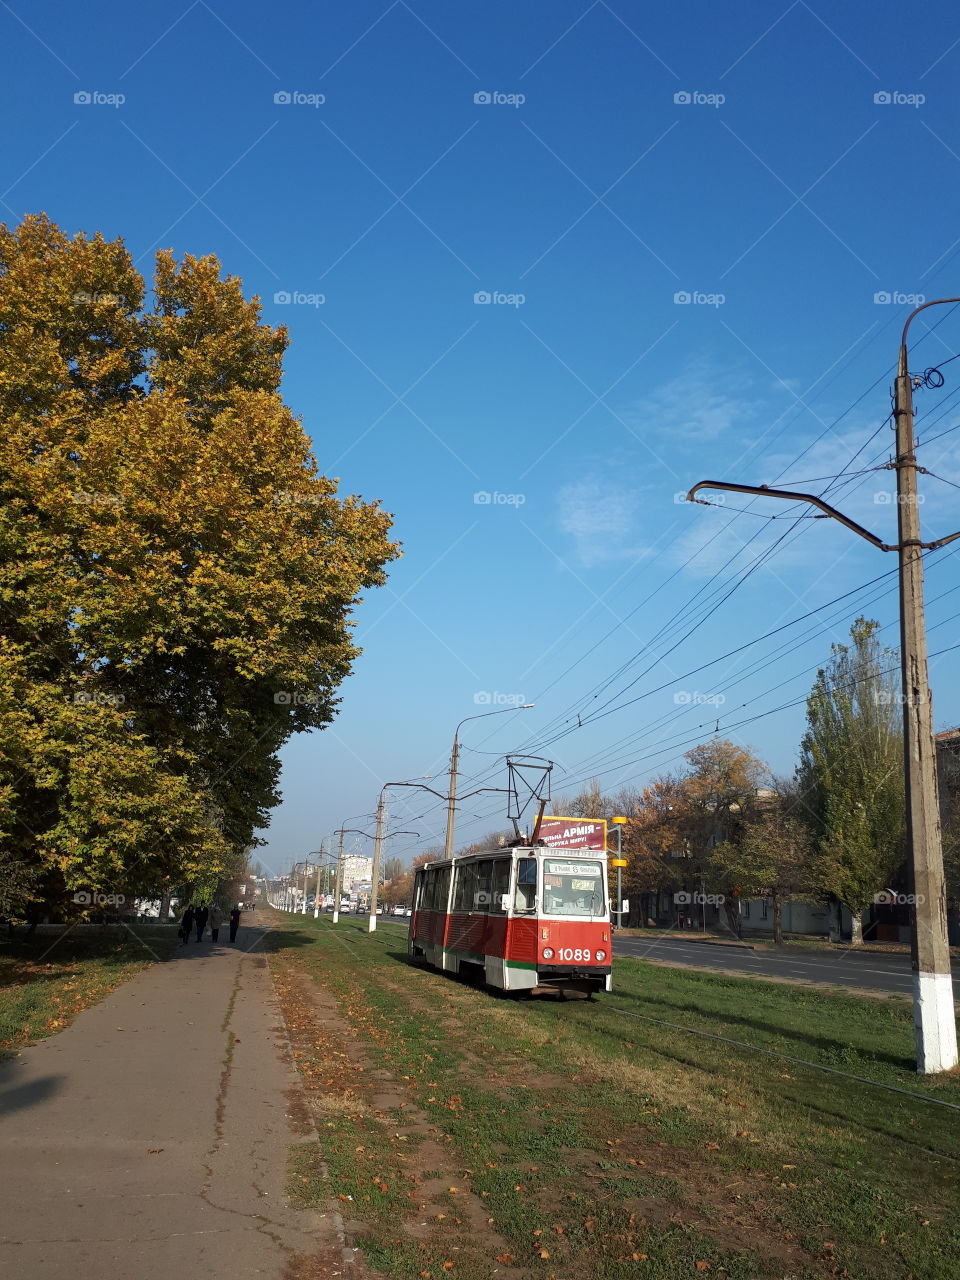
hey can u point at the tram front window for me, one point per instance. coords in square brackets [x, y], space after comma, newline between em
[572, 888]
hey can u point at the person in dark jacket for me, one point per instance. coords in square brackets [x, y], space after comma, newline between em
[186, 923]
[234, 921]
[200, 919]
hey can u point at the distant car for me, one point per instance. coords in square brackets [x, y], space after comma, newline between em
[408, 911]
[399, 911]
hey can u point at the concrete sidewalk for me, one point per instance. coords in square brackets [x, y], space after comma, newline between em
[150, 1138]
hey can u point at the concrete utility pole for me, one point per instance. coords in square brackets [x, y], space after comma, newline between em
[338, 878]
[321, 856]
[379, 839]
[377, 848]
[366, 834]
[932, 984]
[933, 1005]
[454, 763]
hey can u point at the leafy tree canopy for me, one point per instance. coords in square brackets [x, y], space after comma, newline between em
[176, 576]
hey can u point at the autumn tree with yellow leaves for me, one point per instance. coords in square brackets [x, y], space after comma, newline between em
[176, 577]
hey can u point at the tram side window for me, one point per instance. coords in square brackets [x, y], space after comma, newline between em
[500, 885]
[525, 898]
[481, 893]
[441, 888]
[465, 887]
[429, 896]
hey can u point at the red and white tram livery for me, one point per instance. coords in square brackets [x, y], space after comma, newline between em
[521, 918]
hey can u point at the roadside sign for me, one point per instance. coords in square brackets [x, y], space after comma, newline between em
[618, 862]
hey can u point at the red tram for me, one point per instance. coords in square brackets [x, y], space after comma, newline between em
[522, 918]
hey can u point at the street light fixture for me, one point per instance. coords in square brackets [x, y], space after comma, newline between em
[338, 879]
[454, 762]
[933, 1005]
[379, 838]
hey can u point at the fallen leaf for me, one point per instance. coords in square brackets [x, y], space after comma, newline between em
[543, 1253]
[504, 1257]
[703, 1266]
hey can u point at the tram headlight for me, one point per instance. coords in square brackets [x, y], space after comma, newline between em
[548, 953]
[601, 955]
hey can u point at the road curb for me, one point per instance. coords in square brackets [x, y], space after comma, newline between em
[699, 942]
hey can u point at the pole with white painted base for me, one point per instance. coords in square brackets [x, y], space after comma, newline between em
[933, 1008]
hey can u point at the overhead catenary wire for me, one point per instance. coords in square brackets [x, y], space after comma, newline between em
[844, 478]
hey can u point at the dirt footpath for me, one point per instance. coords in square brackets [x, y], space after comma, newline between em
[151, 1137]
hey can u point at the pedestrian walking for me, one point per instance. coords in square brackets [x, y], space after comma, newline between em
[200, 919]
[216, 920]
[234, 921]
[186, 923]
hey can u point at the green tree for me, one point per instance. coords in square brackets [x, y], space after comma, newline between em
[392, 867]
[176, 577]
[770, 858]
[851, 771]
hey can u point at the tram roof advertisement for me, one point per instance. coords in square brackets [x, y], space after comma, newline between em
[574, 833]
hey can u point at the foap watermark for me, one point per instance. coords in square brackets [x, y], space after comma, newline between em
[716, 499]
[285, 698]
[494, 98]
[893, 297]
[484, 498]
[81, 298]
[690, 698]
[894, 98]
[294, 298]
[287, 498]
[694, 98]
[295, 98]
[94, 98]
[694, 298]
[486, 698]
[885, 499]
[84, 498]
[684, 899]
[890, 898]
[93, 898]
[494, 298]
[893, 698]
[83, 699]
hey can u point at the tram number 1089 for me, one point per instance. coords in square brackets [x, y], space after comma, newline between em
[571, 953]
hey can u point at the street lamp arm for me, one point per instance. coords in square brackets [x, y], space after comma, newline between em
[418, 785]
[525, 706]
[935, 302]
[764, 491]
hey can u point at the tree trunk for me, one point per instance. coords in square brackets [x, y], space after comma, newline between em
[856, 929]
[777, 919]
[165, 908]
[731, 908]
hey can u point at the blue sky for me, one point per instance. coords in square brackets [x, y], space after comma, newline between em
[698, 227]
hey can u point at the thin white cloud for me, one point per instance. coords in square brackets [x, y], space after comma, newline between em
[603, 521]
[701, 404]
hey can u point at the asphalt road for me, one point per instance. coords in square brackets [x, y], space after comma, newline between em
[842, 967]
